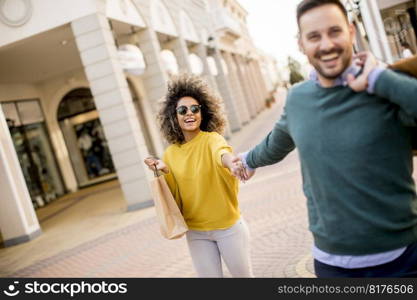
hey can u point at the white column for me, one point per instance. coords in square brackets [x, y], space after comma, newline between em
[180, 49]
[225, 90]
[59, 146]
[237, 91]
[115, 106]
[249, 96]
[261, 79]
[252, 85]
[255, 78]
[154, 79]
[201, 51]
[377, 36]
[18, 221]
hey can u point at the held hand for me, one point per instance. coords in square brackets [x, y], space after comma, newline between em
[237, 169]
[249, 173]
[245, 174]
[151, 162]
[368, 62]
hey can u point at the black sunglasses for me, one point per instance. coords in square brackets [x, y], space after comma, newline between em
[182, 110]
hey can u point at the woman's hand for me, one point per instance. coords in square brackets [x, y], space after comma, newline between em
[235, 165]
[153, 162]
[238, 170]
[243, 173]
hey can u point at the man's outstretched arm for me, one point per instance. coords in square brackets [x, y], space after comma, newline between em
[276, 145]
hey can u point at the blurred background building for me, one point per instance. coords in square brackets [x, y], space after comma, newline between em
[386, 27]
[80, 82]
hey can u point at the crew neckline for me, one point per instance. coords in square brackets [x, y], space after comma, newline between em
[197, 137]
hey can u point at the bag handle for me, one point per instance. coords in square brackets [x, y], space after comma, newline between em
[155, 172]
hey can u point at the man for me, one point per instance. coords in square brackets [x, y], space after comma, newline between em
[349, 123]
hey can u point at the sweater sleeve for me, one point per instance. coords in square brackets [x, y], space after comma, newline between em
[400, 89]
[219, 147]
[277, 144]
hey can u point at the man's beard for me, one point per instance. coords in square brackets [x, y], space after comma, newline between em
[346, 60]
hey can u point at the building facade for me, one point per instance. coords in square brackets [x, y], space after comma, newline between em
[384, 25]
[80, 84]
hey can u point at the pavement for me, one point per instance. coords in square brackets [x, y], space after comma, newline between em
[90, 234]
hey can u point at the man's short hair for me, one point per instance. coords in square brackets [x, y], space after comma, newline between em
[307, 5]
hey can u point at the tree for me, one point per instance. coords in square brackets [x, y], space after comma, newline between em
[295, 71]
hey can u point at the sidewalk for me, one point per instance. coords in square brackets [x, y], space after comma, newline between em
[89, 234]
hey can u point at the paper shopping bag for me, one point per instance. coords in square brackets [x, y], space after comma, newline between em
[406, 65]
[171, 221]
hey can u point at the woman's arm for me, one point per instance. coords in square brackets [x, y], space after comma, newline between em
[235, 166]
[151, 162]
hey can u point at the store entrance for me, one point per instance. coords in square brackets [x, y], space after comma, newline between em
[83, 133]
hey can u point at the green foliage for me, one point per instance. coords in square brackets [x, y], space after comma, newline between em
[295, 71]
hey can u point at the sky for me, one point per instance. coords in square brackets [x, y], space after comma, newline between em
[273, 27]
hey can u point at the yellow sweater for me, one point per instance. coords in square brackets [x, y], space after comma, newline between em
[205, 191]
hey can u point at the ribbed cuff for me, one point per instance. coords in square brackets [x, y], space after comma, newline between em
[243, 158]
[372, 78]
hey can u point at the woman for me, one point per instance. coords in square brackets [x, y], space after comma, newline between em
[199, 170]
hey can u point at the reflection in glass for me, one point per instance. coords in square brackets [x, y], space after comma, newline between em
[94, 148]
[34, 151]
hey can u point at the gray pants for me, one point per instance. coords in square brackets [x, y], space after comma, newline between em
[232, 244]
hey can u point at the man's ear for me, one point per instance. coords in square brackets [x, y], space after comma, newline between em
[352, 30]
[300, 44]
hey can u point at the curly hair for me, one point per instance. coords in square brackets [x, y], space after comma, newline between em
[187, 85]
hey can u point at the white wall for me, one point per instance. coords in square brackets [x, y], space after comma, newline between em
[382, 4]
[18, 92]
[64, 11]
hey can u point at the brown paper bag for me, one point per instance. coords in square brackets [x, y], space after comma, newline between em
[171, 222]
[406, 65]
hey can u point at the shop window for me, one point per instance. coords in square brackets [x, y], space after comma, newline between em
[34, 151]
[84, 136]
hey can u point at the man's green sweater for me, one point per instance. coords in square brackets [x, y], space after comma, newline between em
[356, 160]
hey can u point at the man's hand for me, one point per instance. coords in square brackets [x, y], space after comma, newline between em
[246, 174]
[236, 168]
[368, 62]
[153, 162]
